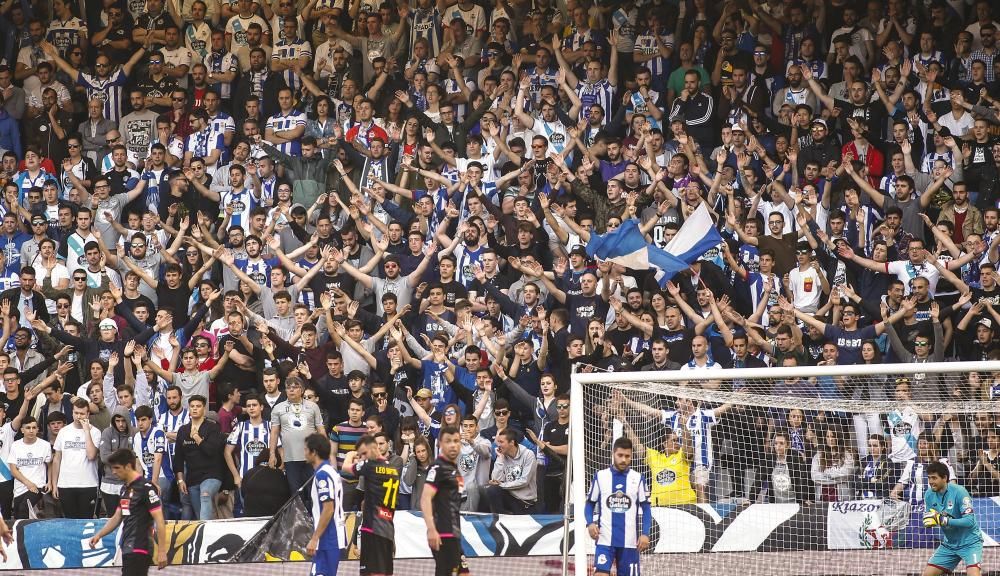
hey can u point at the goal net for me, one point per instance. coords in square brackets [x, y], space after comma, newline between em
[790, 470]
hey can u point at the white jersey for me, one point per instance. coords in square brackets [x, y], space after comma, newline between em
[617, 497]
[905, 427]
[699, 426]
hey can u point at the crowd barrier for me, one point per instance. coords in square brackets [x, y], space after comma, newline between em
[702, 528]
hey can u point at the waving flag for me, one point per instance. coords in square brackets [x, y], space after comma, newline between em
[627, 245]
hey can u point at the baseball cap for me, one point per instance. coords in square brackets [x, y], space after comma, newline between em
[579, 249]
[821, 122]
[736, 128]
[423, 393]
[986, 322]
[108, 324]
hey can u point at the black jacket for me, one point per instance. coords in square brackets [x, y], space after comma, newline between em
[37, 302]
[202, 461]
[798, 472]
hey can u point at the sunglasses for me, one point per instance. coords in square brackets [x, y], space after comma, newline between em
[379, 395]
[155, 62]
[72, 145]
[562, 406]
[79, 278]
[112, 140]
[41, 223]
[501, 412]
[61, 306]
[921, 343]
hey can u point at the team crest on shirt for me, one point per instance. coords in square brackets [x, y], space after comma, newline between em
[967, 505]
[618, 502]
[664, 477]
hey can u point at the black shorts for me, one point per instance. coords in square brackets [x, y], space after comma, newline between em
[448, 559]
[135, 564]
[376, 554]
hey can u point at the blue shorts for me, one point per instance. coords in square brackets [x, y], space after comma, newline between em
[325, 562]
[627, 560]
[948, 558]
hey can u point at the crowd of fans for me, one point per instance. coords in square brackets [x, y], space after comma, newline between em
[228, 225]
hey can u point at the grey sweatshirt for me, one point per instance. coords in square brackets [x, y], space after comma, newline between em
[517, 474]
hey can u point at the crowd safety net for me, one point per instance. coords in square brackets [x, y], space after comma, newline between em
[788, 470]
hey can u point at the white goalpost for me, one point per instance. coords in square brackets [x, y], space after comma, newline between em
[789, 470]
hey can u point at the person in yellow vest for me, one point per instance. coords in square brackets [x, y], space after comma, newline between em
[669, 470]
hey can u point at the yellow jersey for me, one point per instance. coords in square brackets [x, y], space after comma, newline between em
[671, 478]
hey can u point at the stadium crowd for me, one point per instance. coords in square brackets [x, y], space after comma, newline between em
[228, 225]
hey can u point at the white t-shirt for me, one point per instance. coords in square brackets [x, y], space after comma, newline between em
[75, 469]
[32, 462]
[806, 289]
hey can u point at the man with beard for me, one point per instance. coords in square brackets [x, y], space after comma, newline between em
[697, 109]
[237, 201]
[259, 81]
[106, 85]
[121, 176]
[222, 67]
[393, 281]
[31, 55]
[859, 106]
[220, 122]
[203, 142]
[138, 128]
[157, 86]
[467, 246]
[309, 168]
[108, 208]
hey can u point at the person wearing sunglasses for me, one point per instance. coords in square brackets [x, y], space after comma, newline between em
[106, 84]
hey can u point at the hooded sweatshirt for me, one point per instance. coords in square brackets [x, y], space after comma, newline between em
[113, 439]
[517, 475]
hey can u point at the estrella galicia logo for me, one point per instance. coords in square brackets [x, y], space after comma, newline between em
[618, 502]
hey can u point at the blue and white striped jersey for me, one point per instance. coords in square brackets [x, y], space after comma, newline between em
[285, 50]
[327, 487]
[699, 425]
[289, 121]
[110, 90]
[614, 504]
[601, 93]
[249, 439]
[147, 447]
[170, 423]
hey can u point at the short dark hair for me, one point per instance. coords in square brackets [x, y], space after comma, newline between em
[939, 469]
[122, 457]
[319, 444]
[623, 443]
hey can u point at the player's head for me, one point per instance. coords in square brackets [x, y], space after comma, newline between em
[317, 448]
[122, 464]
[450, 441]
[937, 476]
[366, 446]
[622, 453]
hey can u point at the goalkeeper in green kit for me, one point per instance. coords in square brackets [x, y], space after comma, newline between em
[950, 507]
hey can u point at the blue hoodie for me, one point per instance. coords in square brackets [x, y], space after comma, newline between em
[10, 136]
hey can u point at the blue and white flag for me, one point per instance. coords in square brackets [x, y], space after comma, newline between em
[627, 245]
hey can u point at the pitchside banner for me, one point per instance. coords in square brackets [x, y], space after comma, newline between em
[705, 528]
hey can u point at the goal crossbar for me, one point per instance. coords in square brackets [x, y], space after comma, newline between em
[677, 382]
